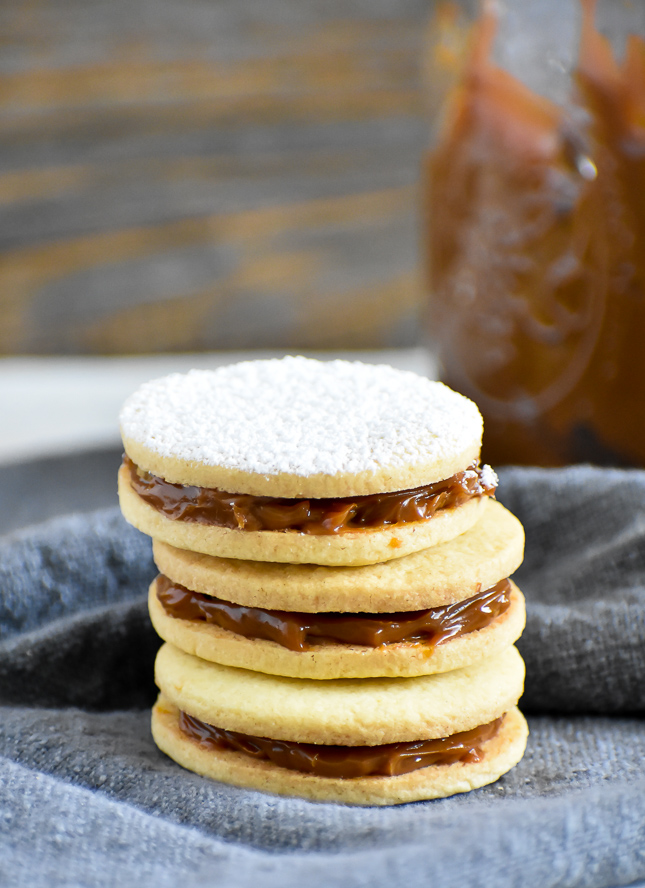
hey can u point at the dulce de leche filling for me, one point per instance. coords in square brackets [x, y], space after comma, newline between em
[241, 511]
[297, 631]
[388, 760]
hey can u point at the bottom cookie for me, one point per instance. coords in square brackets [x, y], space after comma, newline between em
[497, 756]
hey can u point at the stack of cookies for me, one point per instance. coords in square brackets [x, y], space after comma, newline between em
[334, 590]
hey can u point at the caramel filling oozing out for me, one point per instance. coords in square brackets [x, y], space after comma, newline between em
[297, 631]
[388, 760]
[241, 511]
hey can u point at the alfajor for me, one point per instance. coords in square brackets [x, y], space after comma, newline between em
[303, 462]
[334, 586]
[359, 741]
[433, 611]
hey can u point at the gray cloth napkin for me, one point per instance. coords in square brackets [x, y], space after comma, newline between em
[87, 799]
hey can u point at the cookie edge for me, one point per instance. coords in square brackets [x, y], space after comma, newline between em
[347, 712]
[330, 661]
[428, 578]
[501, 753]
[352, 548]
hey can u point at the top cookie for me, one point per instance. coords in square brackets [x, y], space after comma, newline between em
[301, 428]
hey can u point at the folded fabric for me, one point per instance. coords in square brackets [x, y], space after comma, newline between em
[584, 581]
[88, 799]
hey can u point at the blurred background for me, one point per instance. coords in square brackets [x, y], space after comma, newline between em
[182, 175]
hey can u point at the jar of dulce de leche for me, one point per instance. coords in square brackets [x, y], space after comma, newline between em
[534, 188]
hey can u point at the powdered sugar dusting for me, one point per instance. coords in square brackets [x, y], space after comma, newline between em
[301, 417]
[489, 476]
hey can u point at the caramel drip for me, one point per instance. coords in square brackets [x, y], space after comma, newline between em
[205, 505]
[297, 631]
[388, 760]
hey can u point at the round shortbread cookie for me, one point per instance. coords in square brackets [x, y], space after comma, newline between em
[346, 712]
[500, 754]
[354, 547]
[489, 551]
[301, 428]
[330, 661]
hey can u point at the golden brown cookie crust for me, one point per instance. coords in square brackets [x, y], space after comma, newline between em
[329, 661]
[355, 547]
[347, 712]
[489, 551]
[501, 753]
[298, 427]
[182, 471]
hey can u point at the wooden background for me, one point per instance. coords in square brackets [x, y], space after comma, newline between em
[198, 174]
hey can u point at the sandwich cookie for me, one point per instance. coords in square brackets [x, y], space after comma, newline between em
[432, 611]
[373, 741]
[299, 461]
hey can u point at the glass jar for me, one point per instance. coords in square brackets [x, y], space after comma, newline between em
[535, 234]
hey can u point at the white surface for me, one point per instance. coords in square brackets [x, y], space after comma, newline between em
[51, 406]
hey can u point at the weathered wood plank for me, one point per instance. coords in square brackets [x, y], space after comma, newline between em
[228, 175]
